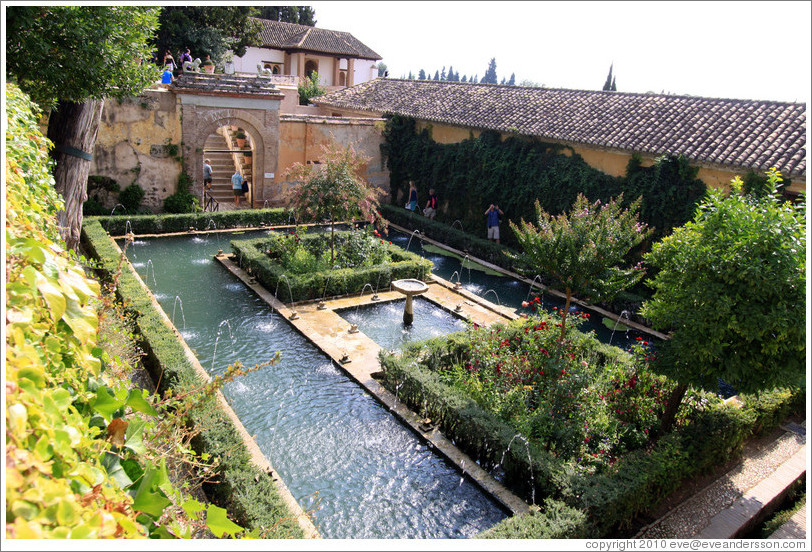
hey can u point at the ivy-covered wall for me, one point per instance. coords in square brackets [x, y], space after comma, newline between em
[473, 173]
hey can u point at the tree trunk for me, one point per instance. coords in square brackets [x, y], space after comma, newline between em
[73, 128]
[671, 409]
[566, 313]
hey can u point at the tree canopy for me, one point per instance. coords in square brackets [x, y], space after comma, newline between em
[490, 75]
[302, 15]
[585, 250]
[72, 53]
[206, 30]
[731, 290]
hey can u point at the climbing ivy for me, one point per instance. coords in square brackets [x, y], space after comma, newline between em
[475, 172]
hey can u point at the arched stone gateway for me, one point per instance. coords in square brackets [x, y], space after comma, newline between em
[209, 102]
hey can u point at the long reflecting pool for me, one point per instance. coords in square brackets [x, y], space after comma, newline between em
[341, 454]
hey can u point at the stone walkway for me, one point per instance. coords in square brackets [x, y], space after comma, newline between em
[731, 505]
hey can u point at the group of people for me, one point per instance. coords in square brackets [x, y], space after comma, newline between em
[492, 214]
[171, 69]
[239, 184]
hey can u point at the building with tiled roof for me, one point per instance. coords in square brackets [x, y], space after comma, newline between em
[723, 137]
[291, 52]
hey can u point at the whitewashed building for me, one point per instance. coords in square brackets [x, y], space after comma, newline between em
[291, 52]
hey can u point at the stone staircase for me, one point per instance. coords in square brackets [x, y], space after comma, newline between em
[223, 166]
[735, 503]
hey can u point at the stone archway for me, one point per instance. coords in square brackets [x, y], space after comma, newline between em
[258, 116]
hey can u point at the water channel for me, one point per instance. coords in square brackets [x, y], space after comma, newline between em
[342, 455]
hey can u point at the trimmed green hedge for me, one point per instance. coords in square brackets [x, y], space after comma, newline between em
[611, 500]
[251, 254]
[243, 489]
[443, 233]
[165, 224]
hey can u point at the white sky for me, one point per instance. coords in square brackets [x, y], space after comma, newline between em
[743, 49]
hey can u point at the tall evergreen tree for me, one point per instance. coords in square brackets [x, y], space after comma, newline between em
[421, 75]
[608, 84]
[411, 76]
[465, 78]
[436, 75]
[512, 81]
[490, 75]
[614, 85]
[450, 75]
[442, 74]
[303, 15]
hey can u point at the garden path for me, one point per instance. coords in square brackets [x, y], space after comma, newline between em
[732, 504]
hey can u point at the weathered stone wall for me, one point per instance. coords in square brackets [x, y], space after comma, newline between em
[302, 139]
[139, 142]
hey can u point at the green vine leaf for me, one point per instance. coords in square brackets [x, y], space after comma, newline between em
[218, 522]
[105, 403]
[136, 401]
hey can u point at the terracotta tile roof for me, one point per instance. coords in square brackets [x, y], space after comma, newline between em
[749, 134]
[290, 36]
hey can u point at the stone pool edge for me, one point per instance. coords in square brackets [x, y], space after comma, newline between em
[357, 355]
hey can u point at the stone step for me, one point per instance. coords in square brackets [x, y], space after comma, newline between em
[734, 503]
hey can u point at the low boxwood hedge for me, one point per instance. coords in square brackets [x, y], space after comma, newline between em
[164, 224]
[252, 254]
[243, 489]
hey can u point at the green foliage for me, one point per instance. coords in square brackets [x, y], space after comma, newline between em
[310, 88]
[208, 29]
[130, 197]
[335, 191]
[555, 520]
[182, 201]
[301, 15]
[731, 290]
[586, 250]
[163, 224]
[471, 174]
[81, 52]
[310, 274]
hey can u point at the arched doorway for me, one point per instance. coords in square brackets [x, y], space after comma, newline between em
[230, 149]
[311, 66]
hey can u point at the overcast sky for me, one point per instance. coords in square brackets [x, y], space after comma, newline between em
[745, 50]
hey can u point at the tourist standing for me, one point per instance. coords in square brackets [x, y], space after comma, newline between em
[431, 205]
[236, 186]
[169, 61]
[184, 57]
[412, 203]
[207, 178]
[492, 218]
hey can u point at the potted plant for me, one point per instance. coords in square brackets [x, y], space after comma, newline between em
[240, 137]
[247, 157]
[208, 65]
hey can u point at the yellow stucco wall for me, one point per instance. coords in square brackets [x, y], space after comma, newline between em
[301, 140]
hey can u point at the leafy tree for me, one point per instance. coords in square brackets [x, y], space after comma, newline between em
[310, 88]
[208, 29]
[585, 251]
[333, 190]
[490, 75]
[730, 288]
[382, 69]
[608, 84]
[70, 58]
[302, 15]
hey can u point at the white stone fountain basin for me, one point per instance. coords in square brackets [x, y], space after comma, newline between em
[410, 286]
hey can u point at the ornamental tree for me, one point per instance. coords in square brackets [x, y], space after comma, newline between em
[586, 250]
[731, 292]
[333, 190]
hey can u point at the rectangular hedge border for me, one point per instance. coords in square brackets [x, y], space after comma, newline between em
[609, 501]
[247, 492]
[251, 255]
[166, 224]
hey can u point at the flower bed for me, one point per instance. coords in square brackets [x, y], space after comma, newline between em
[570, 420]
[312, 269]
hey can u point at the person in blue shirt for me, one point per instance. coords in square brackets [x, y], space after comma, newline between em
[166, 76]
[492, 217]
[236, 186]
[412, 203]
